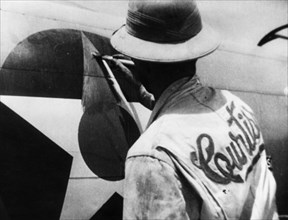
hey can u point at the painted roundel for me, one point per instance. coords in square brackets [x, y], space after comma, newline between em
[106, 132]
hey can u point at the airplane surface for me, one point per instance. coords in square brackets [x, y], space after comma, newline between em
[59, 160]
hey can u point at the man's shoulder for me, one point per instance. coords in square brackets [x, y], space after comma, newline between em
[156, 154]
[235, 99]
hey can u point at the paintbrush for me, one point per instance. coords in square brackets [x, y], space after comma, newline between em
[109, 58]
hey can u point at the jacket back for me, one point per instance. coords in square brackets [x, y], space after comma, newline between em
[213, 139]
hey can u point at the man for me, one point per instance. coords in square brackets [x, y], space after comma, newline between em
[202, 155]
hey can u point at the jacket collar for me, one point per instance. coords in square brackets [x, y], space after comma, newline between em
[171, 94]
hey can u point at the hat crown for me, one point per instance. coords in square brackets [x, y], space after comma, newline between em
[166, 21]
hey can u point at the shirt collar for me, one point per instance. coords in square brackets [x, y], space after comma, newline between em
[171, 93]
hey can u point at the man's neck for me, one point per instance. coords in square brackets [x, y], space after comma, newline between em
[160, 85]
[158, 89]
[156, 77]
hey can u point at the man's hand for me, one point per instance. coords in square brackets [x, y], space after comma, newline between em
[145, 98]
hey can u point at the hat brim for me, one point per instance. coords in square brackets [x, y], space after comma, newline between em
[204, 43]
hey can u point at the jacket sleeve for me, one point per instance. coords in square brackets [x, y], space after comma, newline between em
[152, 190]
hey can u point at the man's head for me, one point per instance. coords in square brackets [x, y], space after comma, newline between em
[164, 38]
[164, 31]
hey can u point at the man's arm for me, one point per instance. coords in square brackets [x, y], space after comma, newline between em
[153, 190]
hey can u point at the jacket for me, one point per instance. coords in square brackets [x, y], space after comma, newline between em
[210, 144]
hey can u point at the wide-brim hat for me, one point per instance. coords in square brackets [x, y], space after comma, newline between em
[164, 31]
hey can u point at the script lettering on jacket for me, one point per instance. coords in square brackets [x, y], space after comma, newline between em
[241, 145]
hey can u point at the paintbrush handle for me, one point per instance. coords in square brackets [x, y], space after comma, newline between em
[107, 57]
[126, 62]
